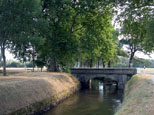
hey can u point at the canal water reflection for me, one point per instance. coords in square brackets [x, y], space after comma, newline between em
[95, 101]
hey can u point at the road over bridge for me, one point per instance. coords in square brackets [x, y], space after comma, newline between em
[118, 75]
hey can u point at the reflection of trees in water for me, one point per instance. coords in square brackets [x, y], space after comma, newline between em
[93, 101]
[108, 92]
[65, 105]
[72, 100]
[95, 84]
[106, 87]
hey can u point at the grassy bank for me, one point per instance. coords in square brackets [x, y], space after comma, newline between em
[139, 96]
[30, 92]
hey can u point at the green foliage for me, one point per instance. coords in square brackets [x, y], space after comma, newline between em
[39, 63]
[149, 42]
[137, 62]
[16, 64]
[17, 21]
[122, 62]
[135, 16]
[28, 64]
[78, 30]
[58, 33]
[134, 34]
[16, 18]
[98, 41]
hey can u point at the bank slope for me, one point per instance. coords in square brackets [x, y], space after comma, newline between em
[138, 96]
[32, 92]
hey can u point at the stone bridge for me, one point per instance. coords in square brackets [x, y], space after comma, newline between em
[118, 75]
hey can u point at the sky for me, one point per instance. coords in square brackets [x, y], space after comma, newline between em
[9, 56]
[142, 55]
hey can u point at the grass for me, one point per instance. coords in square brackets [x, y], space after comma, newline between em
[19, 91]
[139, 96]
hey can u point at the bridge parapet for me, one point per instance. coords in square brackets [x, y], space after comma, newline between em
[119, 71]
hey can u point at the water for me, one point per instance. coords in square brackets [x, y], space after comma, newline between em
[96, 101]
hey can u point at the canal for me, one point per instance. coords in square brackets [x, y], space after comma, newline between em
[98, 100]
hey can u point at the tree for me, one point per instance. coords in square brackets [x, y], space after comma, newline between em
[96, 37]
[59, 32]
[0, 57]
[16, 19]
[149, 42]
[139, 62]
[40, 63]
[60, 45]
[134, 17]
[76, 28]
[26, 49]
[134, 36]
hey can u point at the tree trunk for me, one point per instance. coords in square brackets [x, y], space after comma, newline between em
[91, 63]
[103, 64]
[41, 69]
[98, 63]
[130, 59]
[80, 64]
[109, 64]
[33, 58]
[53, 66]
[4, 58]
[33, 66]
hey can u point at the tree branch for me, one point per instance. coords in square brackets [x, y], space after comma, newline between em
[77, 29]
[74, 21]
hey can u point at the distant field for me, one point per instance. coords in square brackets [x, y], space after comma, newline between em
[146, 69]
[20, 70]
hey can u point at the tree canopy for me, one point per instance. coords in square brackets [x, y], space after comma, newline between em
[149, 42]
[17, 18]
[59, 33]
[135, 19]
